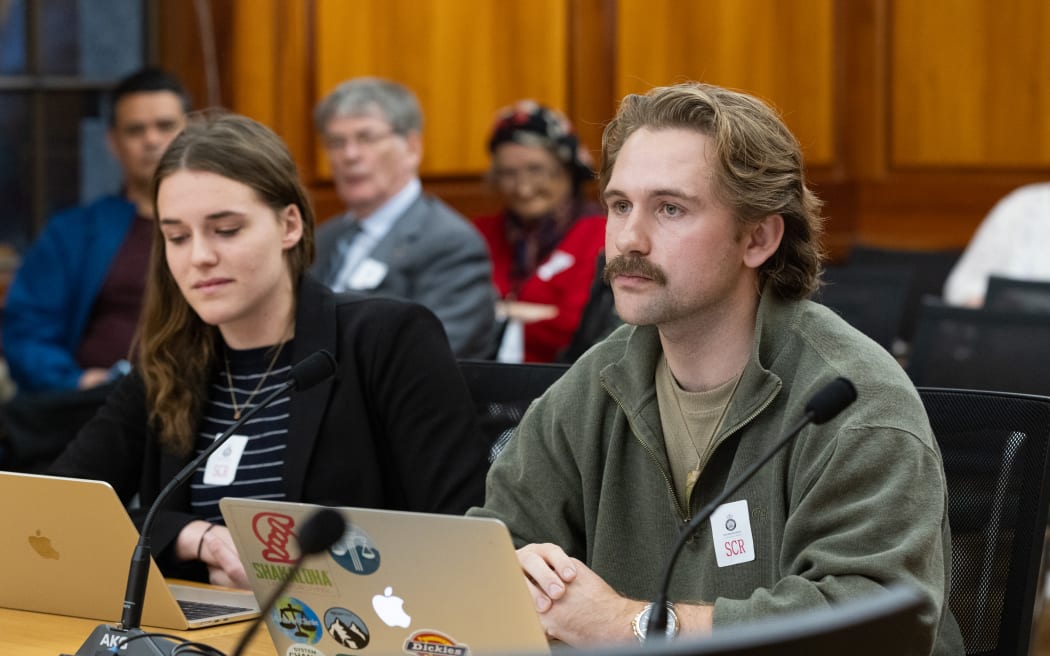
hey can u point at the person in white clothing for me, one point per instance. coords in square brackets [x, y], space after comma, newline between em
[1011, 242]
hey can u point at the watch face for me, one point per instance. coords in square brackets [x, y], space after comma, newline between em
[671, 628]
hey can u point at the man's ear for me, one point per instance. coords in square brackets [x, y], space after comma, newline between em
[414, 140]
[762, 240]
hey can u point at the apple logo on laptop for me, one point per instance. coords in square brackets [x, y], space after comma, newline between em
[42, 545]
[390, 609]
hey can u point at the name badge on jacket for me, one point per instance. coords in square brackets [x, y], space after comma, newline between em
[557, 262]
[368, 275]
[731, 531]
[222, 465]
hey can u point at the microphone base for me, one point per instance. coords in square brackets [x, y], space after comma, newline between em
[106, 640]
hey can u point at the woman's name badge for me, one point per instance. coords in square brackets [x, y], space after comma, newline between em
[222, 465]
[731, 531]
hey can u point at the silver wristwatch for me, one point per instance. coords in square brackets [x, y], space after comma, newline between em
[640, 623]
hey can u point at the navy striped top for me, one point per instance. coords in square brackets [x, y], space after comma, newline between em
[261, 466]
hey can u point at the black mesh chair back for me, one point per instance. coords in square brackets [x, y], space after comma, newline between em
[995, 448]
[871, 299]
[928, 270]
[981, 349]
[1014, 295]
[35, 428]
[502, 392]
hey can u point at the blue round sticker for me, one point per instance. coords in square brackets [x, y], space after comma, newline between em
[355, 552]
[346, 628]
[296, 620]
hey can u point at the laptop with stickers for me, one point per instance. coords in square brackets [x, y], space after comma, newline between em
[66, 548]
[396, 583]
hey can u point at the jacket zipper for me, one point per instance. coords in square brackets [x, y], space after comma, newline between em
[734, 429]
[682, 515]
[667, 477]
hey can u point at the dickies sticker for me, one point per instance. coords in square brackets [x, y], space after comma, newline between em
[429, 643]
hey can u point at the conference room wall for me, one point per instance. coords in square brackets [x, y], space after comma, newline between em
[915, 117]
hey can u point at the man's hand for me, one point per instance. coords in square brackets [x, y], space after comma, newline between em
[574, 604]
[92, 377]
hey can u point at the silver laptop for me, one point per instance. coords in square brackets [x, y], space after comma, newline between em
[66, 547]
[396, 583]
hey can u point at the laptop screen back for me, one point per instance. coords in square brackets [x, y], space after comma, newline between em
[397, 582]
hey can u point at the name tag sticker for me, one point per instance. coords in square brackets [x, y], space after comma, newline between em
[559, 261]
[731, 532]
[222, 465]
[368, 274]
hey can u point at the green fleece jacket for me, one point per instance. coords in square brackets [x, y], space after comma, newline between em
[848, 507]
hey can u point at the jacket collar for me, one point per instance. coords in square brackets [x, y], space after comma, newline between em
[408, 228]
[316, 326]
[630, 379]
[759, 386]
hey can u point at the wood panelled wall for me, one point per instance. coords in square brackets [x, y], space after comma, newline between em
[455, 56]
[915, 117]
[746, 54]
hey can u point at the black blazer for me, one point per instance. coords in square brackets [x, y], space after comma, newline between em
[394, 429]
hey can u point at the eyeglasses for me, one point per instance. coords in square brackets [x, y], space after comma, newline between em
[533, 173]
[361, 139]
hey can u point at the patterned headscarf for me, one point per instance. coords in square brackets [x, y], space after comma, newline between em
[528, 123]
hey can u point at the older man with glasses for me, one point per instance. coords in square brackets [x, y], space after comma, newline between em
[394, 240]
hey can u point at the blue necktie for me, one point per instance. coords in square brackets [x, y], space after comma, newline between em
[342, 248]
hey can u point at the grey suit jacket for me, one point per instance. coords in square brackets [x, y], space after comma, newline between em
[437, 259]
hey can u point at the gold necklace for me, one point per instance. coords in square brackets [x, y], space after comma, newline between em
[693, 475]
[229, 381]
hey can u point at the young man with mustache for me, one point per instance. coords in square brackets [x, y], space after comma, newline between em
[713, 247]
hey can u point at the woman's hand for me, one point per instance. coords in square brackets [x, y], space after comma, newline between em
[212, 545]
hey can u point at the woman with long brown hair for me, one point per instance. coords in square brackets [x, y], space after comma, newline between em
[229, 309]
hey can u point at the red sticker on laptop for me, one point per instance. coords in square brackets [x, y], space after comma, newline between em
[274, 531]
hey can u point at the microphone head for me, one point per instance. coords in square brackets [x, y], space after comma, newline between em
[313, 369]
[320, 531]
[831, 400]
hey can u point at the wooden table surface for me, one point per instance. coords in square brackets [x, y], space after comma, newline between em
[39, 634]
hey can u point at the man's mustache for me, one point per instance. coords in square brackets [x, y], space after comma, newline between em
[633, 265]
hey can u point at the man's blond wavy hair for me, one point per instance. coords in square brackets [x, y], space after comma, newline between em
[757, 169]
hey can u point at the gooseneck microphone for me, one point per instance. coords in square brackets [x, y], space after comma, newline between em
[320, 531]
[310, 371]
[828, 402]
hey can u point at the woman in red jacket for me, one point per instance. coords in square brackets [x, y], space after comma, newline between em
[545, 243]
